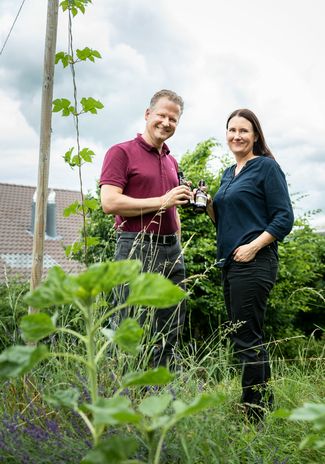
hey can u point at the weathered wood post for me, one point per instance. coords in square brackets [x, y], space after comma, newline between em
[45, 144]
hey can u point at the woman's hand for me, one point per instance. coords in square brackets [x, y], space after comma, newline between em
[245, 253]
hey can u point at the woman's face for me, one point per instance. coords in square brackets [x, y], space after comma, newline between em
[240, 136]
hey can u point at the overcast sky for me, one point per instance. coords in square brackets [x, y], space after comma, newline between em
[218, 55]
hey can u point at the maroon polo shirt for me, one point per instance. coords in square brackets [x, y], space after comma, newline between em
[141, 172]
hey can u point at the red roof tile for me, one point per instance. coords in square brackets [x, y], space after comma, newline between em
[16, 239]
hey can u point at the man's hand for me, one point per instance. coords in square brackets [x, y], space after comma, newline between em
[179, 195]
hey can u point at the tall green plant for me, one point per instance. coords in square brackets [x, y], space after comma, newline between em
[155, 415]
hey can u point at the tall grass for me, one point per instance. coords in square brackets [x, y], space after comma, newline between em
[32, 432]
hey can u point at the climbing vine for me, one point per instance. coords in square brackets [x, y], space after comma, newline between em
[77, 156]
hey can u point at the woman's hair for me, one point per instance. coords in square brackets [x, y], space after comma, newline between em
[260, 147]
[171, 95]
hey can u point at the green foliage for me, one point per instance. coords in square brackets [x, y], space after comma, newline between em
[12, 308]
[218, 433]
[88, 105]
[63, 105]
[64, 57]
[101, 412]
[75, 6]
[34, 327]
[87, 54]
[84, 156]
[296, 304]
[127, 336]
[116, 450]
[100, 233]
[298, 295]
[18, 360]
[206, 305]
[315, 414]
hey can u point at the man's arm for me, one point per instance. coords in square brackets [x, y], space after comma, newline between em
[114, 201]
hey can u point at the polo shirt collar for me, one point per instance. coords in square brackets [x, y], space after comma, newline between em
[165, 150]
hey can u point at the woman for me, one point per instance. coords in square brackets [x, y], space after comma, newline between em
[252, 212]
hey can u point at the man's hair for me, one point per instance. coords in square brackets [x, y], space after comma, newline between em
[172, 96]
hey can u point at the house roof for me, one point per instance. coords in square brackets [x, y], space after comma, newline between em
[16, 238]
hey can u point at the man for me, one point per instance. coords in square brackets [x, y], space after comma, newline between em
[140, 186]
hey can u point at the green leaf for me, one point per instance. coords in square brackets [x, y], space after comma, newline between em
[87, 54]
[154, 290]
[155, 405]
[157, 376]
[65, 58]
[60, 288]
[128, 336]
[67, 156]
[311, 412]
[56, 290]
[18, 360]
[281, 413]
[312, 441]
[200, 403]
[158, 421]
[96, 54]
[64, 398]
[92, 241]
[75, 248]
[34, 327]
[64, 105]
[91, 203]
[120, 272]
[73, 208]
[113, 411]
[87, 155]
[115, 450]
[64, 5]
[91, 105]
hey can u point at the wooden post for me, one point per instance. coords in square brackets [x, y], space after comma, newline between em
[45, 144]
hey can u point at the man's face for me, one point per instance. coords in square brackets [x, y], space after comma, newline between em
[161, 121]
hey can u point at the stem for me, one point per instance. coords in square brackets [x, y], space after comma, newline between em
[159, 447]
[161, 441]
[109, 314]
[92, 367]
[76, 122]
[89, 425]
[101, 351]
[91, 356]
[72, 332]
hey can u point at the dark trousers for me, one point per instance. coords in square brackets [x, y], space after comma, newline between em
[246, 290]
[167, 260]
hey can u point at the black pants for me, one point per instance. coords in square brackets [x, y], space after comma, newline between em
[246, 290]
[167, 260]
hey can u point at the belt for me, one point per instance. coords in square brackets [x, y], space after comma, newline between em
[155, 238]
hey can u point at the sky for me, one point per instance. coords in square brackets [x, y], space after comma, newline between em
[219, 55]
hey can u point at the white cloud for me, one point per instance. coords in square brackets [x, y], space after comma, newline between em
[218, 55]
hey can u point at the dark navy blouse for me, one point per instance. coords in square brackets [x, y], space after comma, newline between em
[253, 201]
